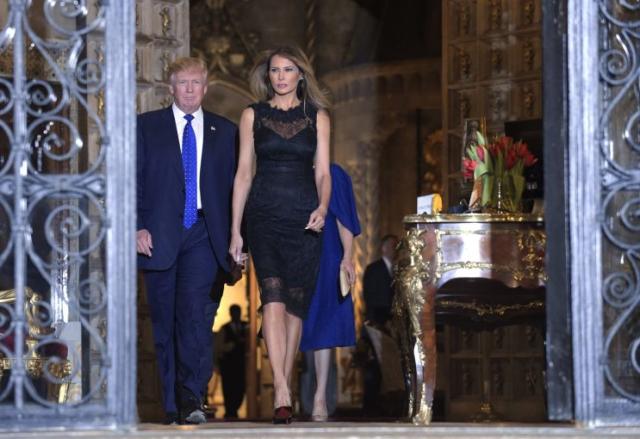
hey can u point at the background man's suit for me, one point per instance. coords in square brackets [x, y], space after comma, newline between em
[184, 262]
[232, 366]
[378, 295]
[377, 292]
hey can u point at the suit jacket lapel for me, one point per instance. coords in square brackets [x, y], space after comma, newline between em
[173, 143]
[208, 143]
[209, 134]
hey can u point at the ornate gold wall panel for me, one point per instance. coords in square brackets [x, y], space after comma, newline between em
[492, 67]
[162, 35]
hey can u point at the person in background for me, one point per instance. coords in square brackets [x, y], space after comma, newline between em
[232, 362]
[378, 295]
[330, 322]
[378, 277]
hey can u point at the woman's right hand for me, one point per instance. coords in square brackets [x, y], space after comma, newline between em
[235, 249]
[347, 266]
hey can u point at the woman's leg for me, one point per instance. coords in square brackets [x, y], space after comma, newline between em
[274, 330]
[322, 358]
[294, 332]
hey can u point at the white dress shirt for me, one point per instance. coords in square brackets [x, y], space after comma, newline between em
[197, 123]
[389, 265]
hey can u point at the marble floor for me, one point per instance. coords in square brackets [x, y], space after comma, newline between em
[351, 430]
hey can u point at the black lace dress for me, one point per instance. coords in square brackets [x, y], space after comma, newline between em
[283, 195]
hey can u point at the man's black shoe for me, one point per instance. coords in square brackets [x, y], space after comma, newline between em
[171, 418]
[196, 417]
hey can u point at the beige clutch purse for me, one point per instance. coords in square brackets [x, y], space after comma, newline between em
[345, 287]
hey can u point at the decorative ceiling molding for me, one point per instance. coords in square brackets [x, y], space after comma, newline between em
[217, 38]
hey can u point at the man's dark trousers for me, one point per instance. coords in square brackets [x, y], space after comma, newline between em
[182, 314]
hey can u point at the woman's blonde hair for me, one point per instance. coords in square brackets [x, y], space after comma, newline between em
[308, 89]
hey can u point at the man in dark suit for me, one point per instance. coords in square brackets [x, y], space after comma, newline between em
[378, 294]
[232, 362]
[377, 289]
[185, 170]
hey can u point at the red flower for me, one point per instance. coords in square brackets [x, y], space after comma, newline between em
[469, 166]
[521, 149]
[510, 159]
[529, 159]
[504, 143]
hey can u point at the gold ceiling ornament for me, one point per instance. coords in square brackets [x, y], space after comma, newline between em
[216, 37]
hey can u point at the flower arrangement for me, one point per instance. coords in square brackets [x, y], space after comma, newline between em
[497, 170]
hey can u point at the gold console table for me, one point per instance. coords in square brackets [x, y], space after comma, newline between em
[37, 366]
[439, 248]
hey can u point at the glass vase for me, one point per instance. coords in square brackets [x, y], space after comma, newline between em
[503, 197]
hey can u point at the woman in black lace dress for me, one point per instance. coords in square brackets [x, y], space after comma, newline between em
[286, 134]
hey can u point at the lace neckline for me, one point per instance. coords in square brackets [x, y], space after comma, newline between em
[288, 110]
[290, 115]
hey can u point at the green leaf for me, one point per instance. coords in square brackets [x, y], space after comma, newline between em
[480, 137]
[487, 189]
[518, 188]
[471, 152]
[498, 169]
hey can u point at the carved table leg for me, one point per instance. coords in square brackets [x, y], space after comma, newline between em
[415, 319]
[423, 411]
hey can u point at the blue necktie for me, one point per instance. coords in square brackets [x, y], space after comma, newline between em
[189, 163]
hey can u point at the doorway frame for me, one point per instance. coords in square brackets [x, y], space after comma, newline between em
[587, 180]
[559, 377]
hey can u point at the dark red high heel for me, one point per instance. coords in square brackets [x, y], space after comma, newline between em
[283, 415]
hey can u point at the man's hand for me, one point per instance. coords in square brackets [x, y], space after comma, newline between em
[144, 244]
